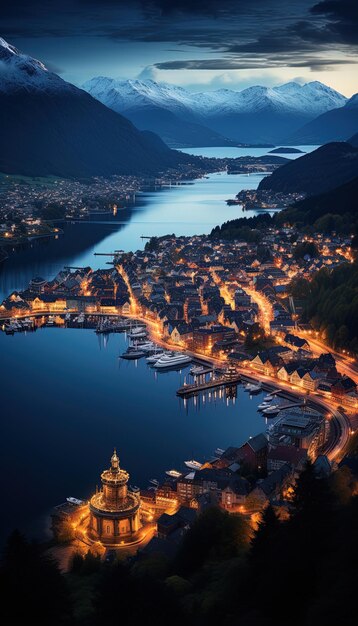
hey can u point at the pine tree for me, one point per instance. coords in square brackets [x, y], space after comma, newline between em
[265, 533]
[34, 580]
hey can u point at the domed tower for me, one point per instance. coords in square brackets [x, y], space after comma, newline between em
[114, 512]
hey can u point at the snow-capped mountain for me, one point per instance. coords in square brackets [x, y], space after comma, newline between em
[229, 112]
[19, 71]
[311, 99]
[129, 94]
[161, 108]
[48, 126]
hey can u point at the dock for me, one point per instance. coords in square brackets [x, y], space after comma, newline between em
[223, 381]
[290, 405]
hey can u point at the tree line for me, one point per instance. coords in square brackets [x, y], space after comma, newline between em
[330, 304]
[300, 571]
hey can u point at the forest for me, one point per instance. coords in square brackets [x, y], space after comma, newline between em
[300, 571]
[330, 304]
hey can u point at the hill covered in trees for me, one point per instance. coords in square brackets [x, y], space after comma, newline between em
[334, 210]
[319, 171]
[331, 304]
[299, 572]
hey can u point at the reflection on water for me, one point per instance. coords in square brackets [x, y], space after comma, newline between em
[78, 400]
[185, 209]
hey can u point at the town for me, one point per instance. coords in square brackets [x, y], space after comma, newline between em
[229, 309]
[263, 199]
[34, 207]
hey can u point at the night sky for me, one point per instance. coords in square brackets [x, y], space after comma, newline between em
[199, 44]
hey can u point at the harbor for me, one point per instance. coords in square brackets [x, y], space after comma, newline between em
[117, 401]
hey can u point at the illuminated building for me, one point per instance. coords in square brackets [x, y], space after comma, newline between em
[114, 512]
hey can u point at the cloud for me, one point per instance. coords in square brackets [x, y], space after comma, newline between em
[237, 34]
[246, 64]
[52, 67]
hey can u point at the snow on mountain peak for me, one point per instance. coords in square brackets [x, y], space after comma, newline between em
[20, 71]
[308, 100]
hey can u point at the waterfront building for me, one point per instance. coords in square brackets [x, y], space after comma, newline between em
[114, 512]
[301, 430]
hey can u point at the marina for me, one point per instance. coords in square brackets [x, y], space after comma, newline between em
[114, 399]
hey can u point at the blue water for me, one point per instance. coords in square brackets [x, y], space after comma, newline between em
[233, 153]
[67, 400]
[184, 210]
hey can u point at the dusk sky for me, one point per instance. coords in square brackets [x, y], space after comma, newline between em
[198, 44]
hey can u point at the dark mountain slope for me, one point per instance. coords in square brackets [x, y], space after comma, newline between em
[336, 125]
[74, 135]
[48, 126]
[323, 169]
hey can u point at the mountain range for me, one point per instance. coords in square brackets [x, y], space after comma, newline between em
[48, 126]
[254, 115]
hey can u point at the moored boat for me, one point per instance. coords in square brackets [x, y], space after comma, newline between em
[174, 359]
[192, 464]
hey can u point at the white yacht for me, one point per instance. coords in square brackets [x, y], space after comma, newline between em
[174, 359]
[263, 405]
[75, 501]
[137, 331]
[137, 335]
[272, 410]
[194, 465]
[153, 358]
[268, 398]
[173, 473]
[196, 370]
[255, 388]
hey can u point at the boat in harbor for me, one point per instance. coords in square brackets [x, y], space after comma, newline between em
[174, 359]
[75, 501]
[219, 452]
[263, 406]
[271, 411]
[147, 346]
[154, 482]
[196, 370]
[136, 332]
[134, 488]
[253, 388]
[132, 354]
[153, 358]
[268, 398]
[139, 335]
[173, 473]
[194, 465]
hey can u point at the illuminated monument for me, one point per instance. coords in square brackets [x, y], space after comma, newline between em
[114, 512]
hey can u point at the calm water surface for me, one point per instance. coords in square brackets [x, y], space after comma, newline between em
[184, 210]
[66, 398]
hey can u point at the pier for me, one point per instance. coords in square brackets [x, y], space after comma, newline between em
[290, 405]
[223, 381]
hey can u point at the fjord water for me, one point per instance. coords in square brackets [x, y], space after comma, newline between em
[193, 208]
[66, 398]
